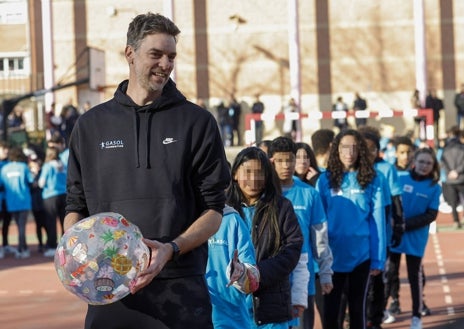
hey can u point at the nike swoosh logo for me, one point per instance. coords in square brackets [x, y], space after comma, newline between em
[169, 141]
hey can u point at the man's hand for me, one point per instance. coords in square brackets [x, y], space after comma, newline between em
[161, 253]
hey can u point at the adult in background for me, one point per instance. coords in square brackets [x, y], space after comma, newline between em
[258, 108]
[340, 106]
[452, 161]
[459, 103]
[162, 164]
[290, 126]
[225, 123]
[436, 104]
[359, 104]
[235, 112]
[70, 115]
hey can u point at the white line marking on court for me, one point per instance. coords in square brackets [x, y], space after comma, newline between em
[442, 271]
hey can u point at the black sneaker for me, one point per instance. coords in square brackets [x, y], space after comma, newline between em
[425, 310]
[370, 325]
[395, 307]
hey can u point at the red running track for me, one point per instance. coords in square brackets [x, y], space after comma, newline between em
[31, 296]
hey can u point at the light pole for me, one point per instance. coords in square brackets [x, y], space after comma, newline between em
[294, 59]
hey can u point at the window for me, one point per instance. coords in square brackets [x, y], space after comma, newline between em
[13, 66]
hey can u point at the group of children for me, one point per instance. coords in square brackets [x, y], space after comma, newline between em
[322, 227]
[303, 227]
[32, 182]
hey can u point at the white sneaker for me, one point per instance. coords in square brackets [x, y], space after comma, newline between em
[2, 253]
[416, 323]
[388, 317]
[23, 254]
[49, 253]
[11, 250]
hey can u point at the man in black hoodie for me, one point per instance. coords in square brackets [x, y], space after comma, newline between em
[157, 159]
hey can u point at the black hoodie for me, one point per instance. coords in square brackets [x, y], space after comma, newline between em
[159, 165]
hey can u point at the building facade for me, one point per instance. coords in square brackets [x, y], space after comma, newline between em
[242, 48]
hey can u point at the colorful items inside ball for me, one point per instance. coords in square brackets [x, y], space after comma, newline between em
[99, 258]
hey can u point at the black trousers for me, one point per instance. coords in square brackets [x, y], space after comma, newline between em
[54, 208]
[415, 277]
[176, 303]
[6, 218]
[355, 284]
[375, 299]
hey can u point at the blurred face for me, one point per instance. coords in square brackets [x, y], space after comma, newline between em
[348, 152]
[3, 153]
[372, 148]
[152, 63]
[404, 155]
[302, 162]
[250, 179]
[423, 164]
[284, 165]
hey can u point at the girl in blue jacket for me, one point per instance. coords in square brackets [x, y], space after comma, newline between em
[16, 179]
[421, 198]
[231, 272]
[352, 196]
[255, 193]
[52, 180]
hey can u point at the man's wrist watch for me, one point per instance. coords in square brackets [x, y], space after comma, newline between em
[175, 251]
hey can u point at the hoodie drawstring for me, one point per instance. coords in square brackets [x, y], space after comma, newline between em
[136, 123]
[148, 132]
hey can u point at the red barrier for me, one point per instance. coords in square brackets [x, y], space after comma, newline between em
[426, 131]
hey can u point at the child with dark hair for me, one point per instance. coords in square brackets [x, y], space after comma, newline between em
[351, 186]
[306, 167]
[256, 194]
[313, 222]
[376, 310]
[321, 142]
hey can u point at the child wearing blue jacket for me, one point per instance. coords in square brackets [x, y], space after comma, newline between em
[256, 194]
[421, 198]
[313, 222]
[16, 179]
[376, 310]
[352, 196]
[230, 250]
[52, 180]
